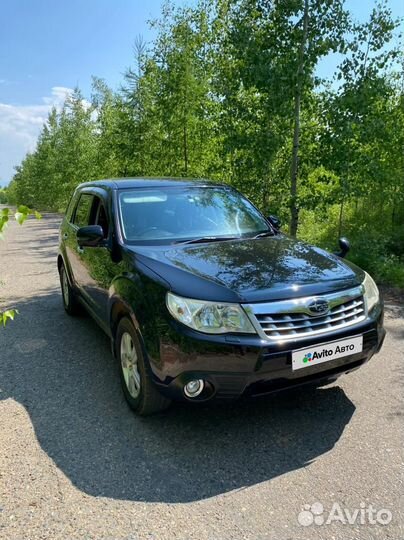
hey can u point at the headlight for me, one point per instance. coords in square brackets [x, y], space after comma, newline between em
[371, 292]
[209, 317]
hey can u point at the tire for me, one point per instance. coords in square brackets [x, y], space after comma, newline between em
[70, 302]
[138, 387]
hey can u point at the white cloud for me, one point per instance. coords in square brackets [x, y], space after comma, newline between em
[20, 126]
[59, 94]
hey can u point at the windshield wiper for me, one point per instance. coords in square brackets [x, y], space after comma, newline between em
[206, 239]
[262, 234]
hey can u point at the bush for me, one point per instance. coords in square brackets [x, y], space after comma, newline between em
[379, 252]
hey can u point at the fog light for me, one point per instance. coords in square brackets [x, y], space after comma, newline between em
[194, 388]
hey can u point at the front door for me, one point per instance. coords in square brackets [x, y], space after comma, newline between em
[92, 267]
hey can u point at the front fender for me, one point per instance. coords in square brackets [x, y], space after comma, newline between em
[125, 298]
[142, 298]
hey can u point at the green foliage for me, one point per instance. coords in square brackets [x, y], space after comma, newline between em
[9, 314]
[377, 247]
[20, 216]
[228, 90]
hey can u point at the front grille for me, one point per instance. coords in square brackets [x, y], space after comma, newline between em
[278, 322]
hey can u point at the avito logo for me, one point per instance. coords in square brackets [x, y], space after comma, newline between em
[326, 352]
[310, 357]
[307, 357]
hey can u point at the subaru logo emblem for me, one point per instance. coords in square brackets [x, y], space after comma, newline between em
[318, 306]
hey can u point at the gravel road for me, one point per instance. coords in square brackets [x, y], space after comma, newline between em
[75, 462]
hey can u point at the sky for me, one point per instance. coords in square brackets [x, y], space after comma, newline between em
[47, 48]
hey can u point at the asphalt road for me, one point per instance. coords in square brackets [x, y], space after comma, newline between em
[75, 462]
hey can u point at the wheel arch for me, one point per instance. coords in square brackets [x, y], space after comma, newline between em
[60, 262]
[128, 297]
[120, 309]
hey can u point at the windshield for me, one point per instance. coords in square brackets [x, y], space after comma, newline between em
[174, 214]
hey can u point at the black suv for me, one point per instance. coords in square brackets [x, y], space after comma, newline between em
[204, 298]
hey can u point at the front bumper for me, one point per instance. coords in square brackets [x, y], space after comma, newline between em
[235, 365]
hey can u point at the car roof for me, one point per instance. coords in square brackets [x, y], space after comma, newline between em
[144, 182]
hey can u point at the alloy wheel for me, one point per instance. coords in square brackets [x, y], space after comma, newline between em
[65, 287]
[129, 364]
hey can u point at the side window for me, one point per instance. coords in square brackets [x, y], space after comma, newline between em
[82, 214]
[100, 216]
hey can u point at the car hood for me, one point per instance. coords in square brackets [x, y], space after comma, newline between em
[249, 270]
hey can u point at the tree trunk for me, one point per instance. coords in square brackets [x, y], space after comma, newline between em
[294, 210]
[341, 214]
[185, 150]
[265, 200]
[393, 215]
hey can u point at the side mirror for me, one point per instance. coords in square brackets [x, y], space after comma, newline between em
[90, 236]
[344, 245]
[275, 221]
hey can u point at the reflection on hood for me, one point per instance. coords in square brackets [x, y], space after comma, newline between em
[251, 268]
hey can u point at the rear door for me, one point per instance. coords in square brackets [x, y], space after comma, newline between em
[80, 218]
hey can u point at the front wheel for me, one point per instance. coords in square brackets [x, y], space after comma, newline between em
[137, 384]
[70, 302]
